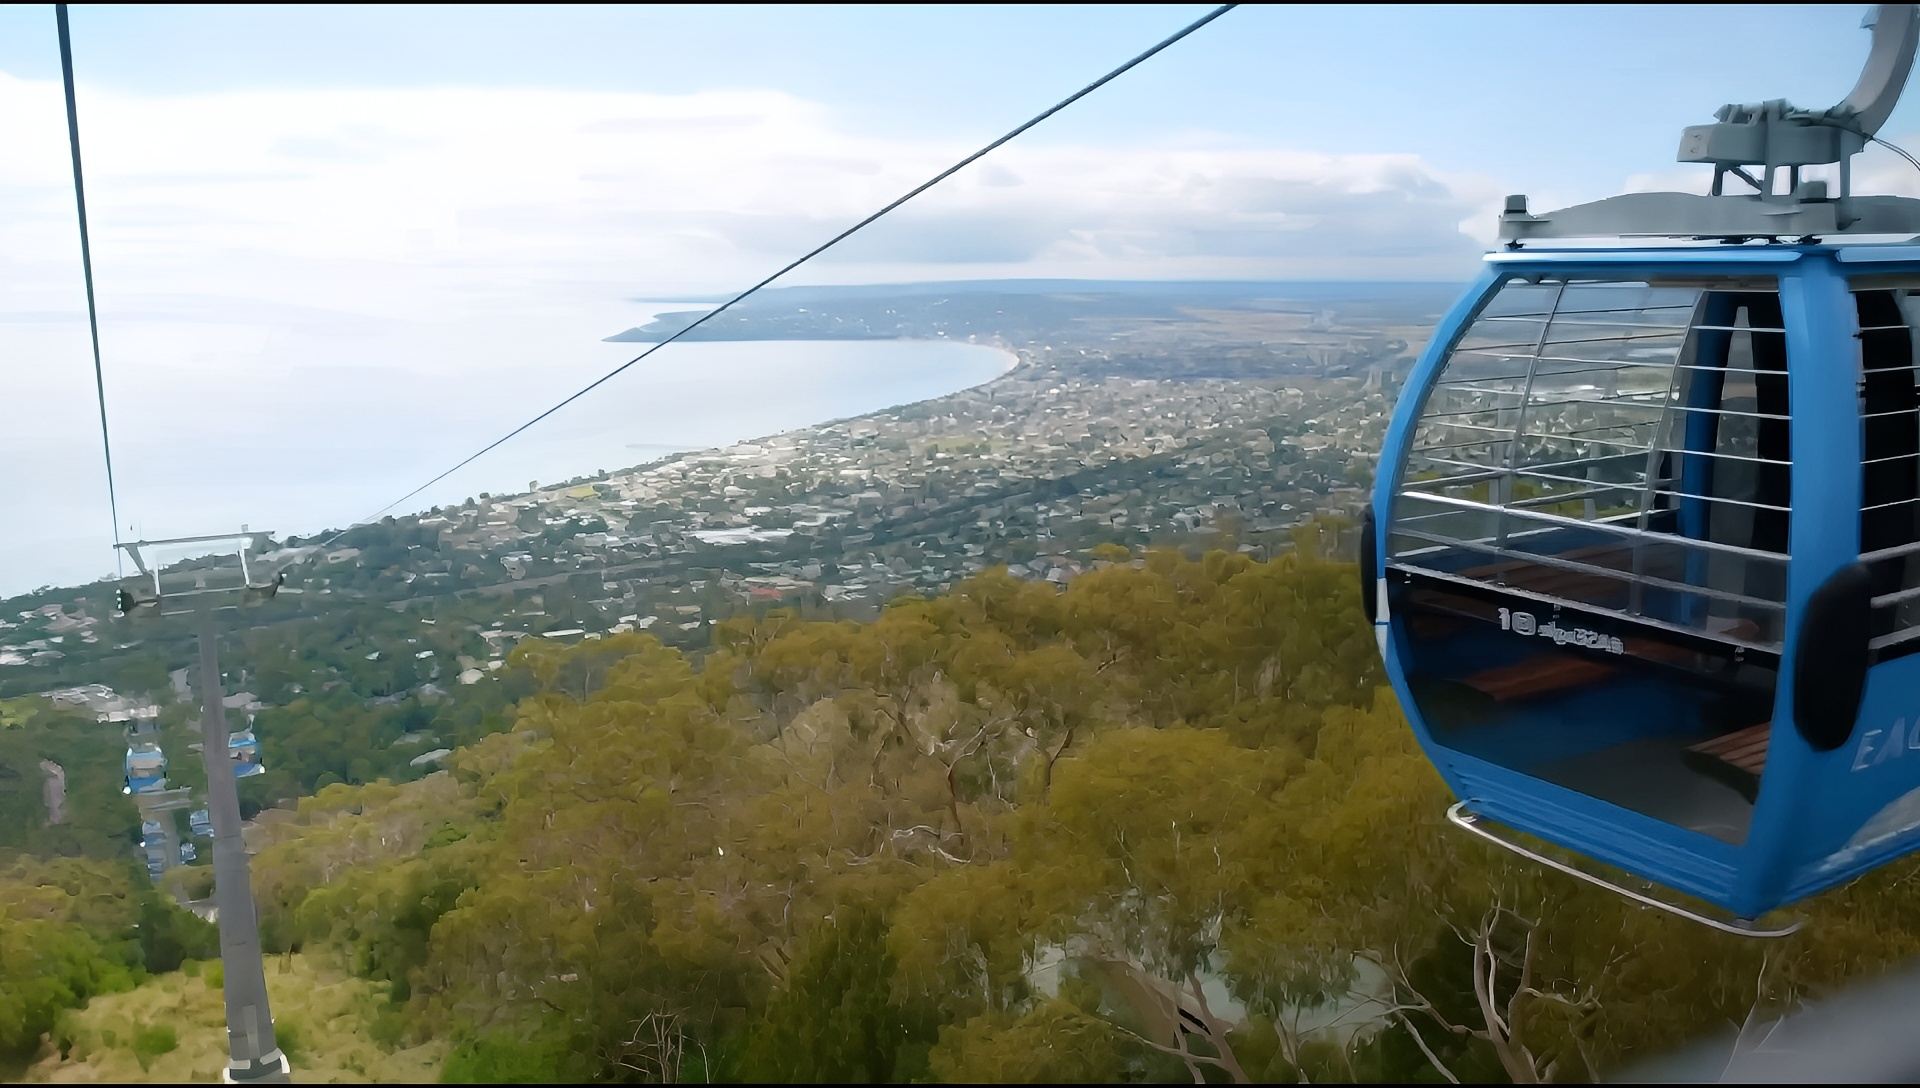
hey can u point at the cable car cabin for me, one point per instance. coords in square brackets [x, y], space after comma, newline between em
[243, 749]
[203, 574]
[1645, 559]
[146, 770]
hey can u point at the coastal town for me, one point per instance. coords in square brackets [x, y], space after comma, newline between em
[1069, 450]
[1029, 471]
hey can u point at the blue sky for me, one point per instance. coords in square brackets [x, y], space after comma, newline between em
[1529, 92]
[316, 226]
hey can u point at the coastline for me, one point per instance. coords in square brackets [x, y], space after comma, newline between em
[1014, 362]
[585, 462]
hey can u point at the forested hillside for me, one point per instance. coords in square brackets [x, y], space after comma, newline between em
[1163, 824]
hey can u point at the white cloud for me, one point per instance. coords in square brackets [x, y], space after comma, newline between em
[379, 201]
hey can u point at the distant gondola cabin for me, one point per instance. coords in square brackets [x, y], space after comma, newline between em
[146, 770]
[243, 750]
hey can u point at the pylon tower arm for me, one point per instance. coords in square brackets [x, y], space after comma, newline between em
[1760, 149]
[1896, 33]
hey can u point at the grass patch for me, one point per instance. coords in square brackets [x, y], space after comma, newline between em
[172, 1028]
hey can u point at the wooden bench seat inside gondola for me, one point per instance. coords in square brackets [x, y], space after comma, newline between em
[1531, 679]
[1565, 672]
[1736, 759]
[1537, 676]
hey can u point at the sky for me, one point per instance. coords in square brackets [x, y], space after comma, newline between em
[284, 197]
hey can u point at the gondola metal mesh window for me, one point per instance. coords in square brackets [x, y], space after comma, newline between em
[1889, 312]
[1617, 446]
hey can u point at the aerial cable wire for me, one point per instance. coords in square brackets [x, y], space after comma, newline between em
[1872, 139]
[943, 175]
[86, 267]
[1896, 149]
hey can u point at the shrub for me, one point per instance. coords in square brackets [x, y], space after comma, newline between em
[151, 1042]
[291, 1037]
[509, 1058]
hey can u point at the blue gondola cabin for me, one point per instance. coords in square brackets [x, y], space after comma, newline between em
[1645, 559]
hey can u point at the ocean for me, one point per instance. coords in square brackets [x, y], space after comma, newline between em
[304, 428]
